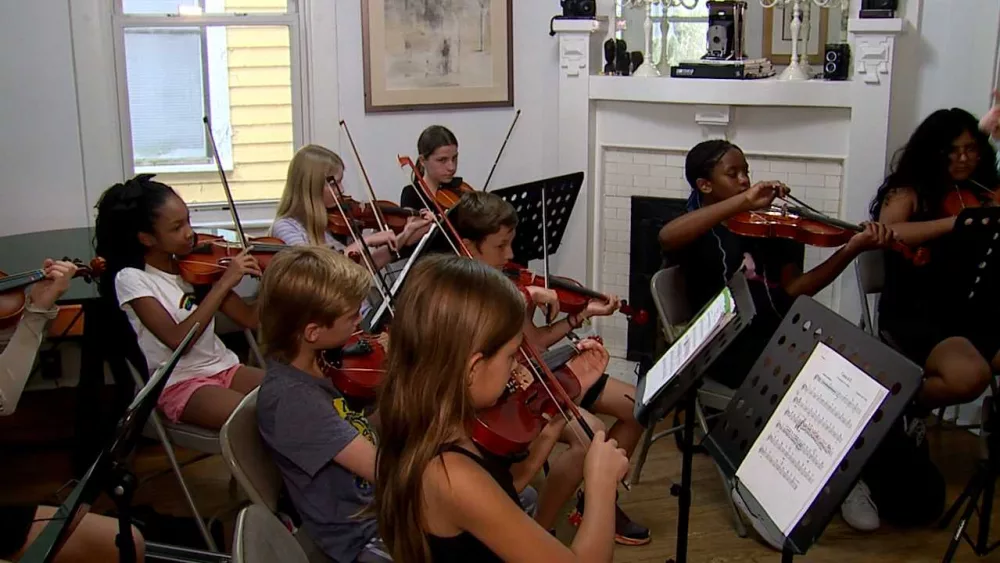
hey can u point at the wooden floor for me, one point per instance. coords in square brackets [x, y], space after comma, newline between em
[33, 475]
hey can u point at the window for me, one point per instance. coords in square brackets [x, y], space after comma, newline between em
[686, 30]
[233, 61]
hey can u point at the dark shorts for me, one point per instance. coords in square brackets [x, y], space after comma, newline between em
[15, 522]
[915, 338]
[590, 397]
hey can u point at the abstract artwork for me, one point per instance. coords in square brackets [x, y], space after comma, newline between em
[437, 54]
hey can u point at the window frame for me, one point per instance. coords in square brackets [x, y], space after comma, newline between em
[217, 64]
[655, 19]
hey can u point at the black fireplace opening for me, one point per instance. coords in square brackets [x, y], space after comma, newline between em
[649, 214]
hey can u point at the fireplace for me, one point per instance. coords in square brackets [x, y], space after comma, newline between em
[648, 215]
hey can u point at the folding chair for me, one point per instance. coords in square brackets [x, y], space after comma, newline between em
[869, 268]
[187, 436]
[674, 311]
[253, 468]
[261, 538]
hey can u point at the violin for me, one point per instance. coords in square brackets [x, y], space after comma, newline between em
[364, 215]
[509, 426]
[206, 263]
[13, 298]
[573, 296]
[809, 228]
[958, 199]
[357, 369]
[448, 196]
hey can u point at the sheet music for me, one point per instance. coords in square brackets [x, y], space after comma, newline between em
[712, 319]
[810, 432]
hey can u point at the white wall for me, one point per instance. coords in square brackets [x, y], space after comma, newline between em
[41, 167]
[531, 151]
[949, 53]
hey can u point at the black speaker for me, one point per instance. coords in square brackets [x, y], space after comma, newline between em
[837, 61]
[579, 8]
[879, 8]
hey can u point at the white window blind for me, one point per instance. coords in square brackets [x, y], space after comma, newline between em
[166, 93]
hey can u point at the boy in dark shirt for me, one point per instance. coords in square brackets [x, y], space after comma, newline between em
[709, 254]
[310, 299]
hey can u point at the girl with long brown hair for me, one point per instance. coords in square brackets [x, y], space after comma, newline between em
[437, 162]
[438, 497]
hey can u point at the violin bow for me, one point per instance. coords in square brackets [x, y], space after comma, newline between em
[366, 256]
[502, 147]
[379, 218]
[424, 192]
[225, 184]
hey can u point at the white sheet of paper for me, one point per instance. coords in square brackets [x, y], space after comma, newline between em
[712, 319]
[810, 432]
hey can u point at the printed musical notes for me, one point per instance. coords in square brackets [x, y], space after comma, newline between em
[712, 319]
[810, 432]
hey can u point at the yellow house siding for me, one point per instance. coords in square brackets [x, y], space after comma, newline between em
[260, 100]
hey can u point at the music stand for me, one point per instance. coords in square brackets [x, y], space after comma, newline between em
[973, 265]
[109, 473]
[560, 197]
[683, 386]
[807, 324]
[376, 317]
[976, 238]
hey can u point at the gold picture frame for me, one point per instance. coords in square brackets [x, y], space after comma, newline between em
[777, 44]
[432, 55]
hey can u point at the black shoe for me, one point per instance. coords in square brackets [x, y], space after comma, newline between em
[627, 532]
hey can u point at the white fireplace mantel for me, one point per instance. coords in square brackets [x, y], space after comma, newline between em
[827, 139]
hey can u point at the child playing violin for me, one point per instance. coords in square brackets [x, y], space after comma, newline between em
[437, 161]
[917, 311]
[709, 254]
[93, 538]
[314, 174]
[143, 228]
[439, 496]
[309, 302]
[487, 225]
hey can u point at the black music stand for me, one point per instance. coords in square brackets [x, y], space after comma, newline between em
[395, 274]
[683, 386]
[560, 196]
[110, 474]
[974, 262]
[805, 325]
[976, 239]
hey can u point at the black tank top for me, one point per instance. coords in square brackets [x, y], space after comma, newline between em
[919, 293]
[465, 546]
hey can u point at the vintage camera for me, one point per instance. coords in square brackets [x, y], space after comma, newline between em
[725, 29]
[579, 8]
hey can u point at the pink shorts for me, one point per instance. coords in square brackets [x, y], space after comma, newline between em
[175, 397]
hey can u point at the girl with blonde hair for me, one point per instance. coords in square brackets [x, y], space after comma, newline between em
[438, 496]
[313, 174]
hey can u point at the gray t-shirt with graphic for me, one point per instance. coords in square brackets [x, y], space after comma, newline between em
[305, 423]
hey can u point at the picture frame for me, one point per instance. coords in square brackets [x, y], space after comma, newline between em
[437, 54]
[777, 37]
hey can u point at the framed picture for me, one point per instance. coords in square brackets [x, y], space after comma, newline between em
[437, 54]
[777, 36]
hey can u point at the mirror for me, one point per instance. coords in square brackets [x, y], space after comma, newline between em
[685, 30]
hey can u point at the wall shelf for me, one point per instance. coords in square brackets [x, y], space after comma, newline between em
[762, 92]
